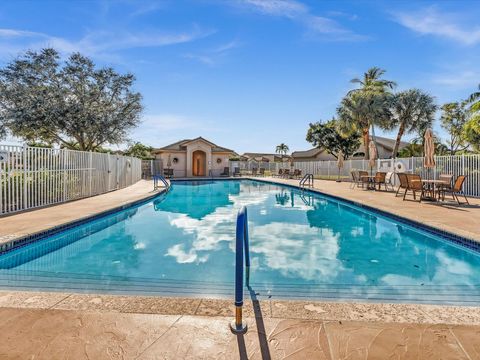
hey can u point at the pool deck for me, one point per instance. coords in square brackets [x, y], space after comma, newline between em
[59, 325]
[52, 325]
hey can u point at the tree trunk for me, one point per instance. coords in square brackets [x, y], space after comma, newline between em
[401, 130]
[366, 141]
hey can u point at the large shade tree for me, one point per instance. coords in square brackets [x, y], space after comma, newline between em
[453, 119]
[327, 136]
[71, 103]
[411, 111]
[374, 93]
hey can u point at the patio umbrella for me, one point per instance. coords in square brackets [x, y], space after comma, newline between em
[340, 164]
[372, 154]
[429, 150]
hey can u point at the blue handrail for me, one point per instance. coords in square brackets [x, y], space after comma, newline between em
[157, 178]
[241, 247]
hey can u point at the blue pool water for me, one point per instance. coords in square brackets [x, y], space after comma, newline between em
[302, 245]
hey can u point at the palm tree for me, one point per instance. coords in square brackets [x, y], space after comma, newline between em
[377, 93]
[372, 82]
[472, 127]
[358, 110]
[412, 111]
[282, 149]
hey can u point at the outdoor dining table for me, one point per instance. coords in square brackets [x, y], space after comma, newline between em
[432, 187]
[371, 181]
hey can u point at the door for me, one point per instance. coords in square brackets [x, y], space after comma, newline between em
[199, 163]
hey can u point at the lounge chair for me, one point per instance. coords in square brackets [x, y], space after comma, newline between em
[236, 172]
[403, 182]
[279, 174]
[286, 173]
[415, 185]
[261, 172]
[226, 171]
[297, 173]
[457, 189]
[254, 172]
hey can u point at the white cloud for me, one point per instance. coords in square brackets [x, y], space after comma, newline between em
[287, 8]
[163, 126]
[10, 33]
[464, 79]
[431, 21]
[213, 56]
[299, 12]
[96, 43]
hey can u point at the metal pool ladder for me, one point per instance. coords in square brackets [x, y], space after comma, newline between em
[307, 181]
[157, 178]
[241, 245]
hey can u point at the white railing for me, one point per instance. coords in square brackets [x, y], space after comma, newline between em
[32, 177]
[468, 165]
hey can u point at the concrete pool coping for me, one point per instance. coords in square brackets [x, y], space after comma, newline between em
[271, 308]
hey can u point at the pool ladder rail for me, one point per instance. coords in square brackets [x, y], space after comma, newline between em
[307, 181]
[157, 178]
[241, 246]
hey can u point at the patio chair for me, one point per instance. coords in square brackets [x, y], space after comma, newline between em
[296, 173]
[279, 174]
[299, 173]
[414, 185]
[403, 182]
[254, 172]
[355, 179]
[389, 181]
[362, 178]
[261, 172]
[457, 189]
[236, 172]
[286, 173]
[380, 179]
[168, 173]
[226, 171]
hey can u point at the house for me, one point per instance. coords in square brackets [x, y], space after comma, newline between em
[384, 148]
[264, 156]
[194, 157]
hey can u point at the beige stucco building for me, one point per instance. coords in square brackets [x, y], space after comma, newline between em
[194, 157]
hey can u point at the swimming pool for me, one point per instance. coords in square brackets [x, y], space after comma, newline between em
[303, 246]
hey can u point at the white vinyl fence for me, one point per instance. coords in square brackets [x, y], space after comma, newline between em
[32, 177]
[468, 165]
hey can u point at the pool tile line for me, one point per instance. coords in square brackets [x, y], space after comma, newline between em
[24, 240]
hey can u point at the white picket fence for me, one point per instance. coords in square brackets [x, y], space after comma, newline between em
[32, 177]
[468, 165]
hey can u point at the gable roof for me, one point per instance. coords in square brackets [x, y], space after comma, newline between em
[307, 153]
[182, 145]
[382, 141]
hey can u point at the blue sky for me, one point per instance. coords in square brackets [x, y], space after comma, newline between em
[250, 74]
